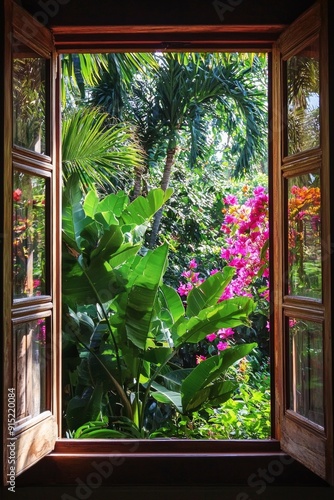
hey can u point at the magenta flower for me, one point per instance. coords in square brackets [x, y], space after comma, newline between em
[230, 199]
[211, 337]
[184, 289]
[225, 253]
[221, 346]
[37, 283]
[246, 233]
[225, 333]
[192, 264]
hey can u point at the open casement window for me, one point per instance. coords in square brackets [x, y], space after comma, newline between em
[31, 269]
[301, 244]
[300, 260]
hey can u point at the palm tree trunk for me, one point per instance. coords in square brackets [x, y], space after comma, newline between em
[164, 185]
[137, 189]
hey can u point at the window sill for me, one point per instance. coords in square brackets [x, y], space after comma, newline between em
[181, 463]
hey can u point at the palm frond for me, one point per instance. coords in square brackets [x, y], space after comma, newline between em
[97, 152]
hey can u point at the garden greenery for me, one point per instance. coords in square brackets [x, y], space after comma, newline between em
[123, 328]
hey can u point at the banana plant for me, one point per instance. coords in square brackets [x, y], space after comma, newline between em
[127, 326]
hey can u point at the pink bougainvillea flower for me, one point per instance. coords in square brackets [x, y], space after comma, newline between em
[230, 199]
[221, 346]
[224, 333]
[246, 233]
[195, 278]
[184, 289]
[192, 264]
[225, 253]
[211, 337]
[186, 274]
[259, 190]
[199, 359]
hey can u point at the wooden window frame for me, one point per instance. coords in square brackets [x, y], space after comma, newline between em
[36, 434]
[239, 459]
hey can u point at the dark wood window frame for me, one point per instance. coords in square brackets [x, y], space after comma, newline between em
[239, 461]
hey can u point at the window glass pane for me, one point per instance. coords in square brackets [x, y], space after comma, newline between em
[29, 228]
[303, 124]
[29, 112]
[304, 236]
[31, 368]
[306, 369]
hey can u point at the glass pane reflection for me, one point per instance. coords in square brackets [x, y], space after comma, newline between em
[29, 112]
[31, 395]
[304, 236]
[29, 228]
[303, 123]
[306, 369]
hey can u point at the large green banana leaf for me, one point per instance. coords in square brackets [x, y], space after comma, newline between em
[227, 314]
[195, 388]
[209, 292]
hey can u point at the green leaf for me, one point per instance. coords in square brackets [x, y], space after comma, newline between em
[97, 283]
[107, 219]
[114, 203]
[143, 294]
[151, 268]
[73, 215]
[92, 149]
[82, 409]
[171, 396]
[227, 314]
[111, 207]
[110, 242]
[158, 355]
[209, 292]
[142, 209]
[90, 235]
[209, 370]
[171, 300]
[177, 376]
[220, 392]
[123, 254]
[90, 203]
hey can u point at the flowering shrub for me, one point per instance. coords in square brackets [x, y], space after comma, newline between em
[246, 247]
[246, 226]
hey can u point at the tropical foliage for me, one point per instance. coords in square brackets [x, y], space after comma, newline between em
[140, 358]
[127, 327]
[181, 105]
[97, 153]
[245, 227]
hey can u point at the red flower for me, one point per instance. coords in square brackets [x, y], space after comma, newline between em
[17, 194]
